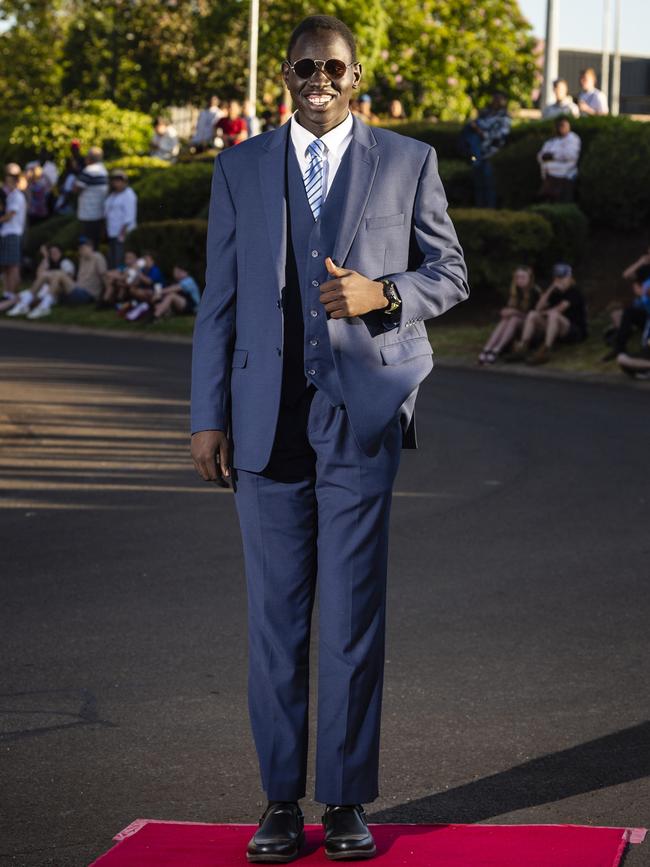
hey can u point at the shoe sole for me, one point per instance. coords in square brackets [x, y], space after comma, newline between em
[276, 859]
[351, 856]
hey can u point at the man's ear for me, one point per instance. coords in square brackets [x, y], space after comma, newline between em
[357, 76]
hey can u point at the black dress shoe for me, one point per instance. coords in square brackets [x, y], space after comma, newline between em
[347, 836]
[280, 835]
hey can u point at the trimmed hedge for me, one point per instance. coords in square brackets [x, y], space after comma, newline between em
[137, 166]
[456, 176]
[175, 242]
[614, 180]
[495, 242]
[570, 231]
[180, 191]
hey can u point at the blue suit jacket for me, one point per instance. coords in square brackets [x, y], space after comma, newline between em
[394, 223]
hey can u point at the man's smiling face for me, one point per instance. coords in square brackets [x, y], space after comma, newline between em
[322, 103]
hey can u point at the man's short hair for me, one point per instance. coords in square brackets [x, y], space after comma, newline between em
[560, 81]
[95, 154]
[12, 170]
[562, 118]
[589, 70]
[323, 22]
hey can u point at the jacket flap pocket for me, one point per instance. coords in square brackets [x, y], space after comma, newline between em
[239, 357]
[384, 222]
[394, 353]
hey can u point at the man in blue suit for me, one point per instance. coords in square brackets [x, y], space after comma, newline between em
[329, 245]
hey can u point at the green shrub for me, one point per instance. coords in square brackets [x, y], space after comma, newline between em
[456, 176]
[95, 122]
[614, 180]
[442, 136]
[570, 231]
[137, 166]
[175, 242]
[180, 191]
[495, 242]
[517, 172]
[45, 232]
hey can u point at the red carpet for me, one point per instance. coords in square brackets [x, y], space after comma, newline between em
[150, 843]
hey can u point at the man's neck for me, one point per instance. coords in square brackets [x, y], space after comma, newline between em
[320, 131]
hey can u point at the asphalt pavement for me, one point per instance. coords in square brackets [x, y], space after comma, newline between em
[517, 668]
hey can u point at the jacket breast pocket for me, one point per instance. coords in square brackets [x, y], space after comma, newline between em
[239, 357]
[385, 222]
[404, 350]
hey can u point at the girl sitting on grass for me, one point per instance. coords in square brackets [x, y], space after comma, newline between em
[524, 295]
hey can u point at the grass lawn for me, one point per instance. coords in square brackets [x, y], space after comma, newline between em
[455, 341]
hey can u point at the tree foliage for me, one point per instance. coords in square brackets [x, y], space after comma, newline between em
[438, 56]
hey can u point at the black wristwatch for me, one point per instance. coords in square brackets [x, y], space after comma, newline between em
[392, 295]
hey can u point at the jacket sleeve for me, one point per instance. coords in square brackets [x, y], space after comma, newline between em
[214, 329]
[440, 281]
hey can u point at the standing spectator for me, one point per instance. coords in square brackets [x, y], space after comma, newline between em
[591, 101]
[203, 137]
[120, 210]
[484, 138]
[558, 160]
[37, 193]
[396, 110]
[164, 142]
[364, 109]
[50, 170]
[12, 229]
[523, 297]
[182, 296]
[253, 125]
[558, 315]
[232, 128]
[89, 283]
[92, 186]
[564, 104]
[64, 203]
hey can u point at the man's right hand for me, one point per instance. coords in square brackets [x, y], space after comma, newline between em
[211, 456]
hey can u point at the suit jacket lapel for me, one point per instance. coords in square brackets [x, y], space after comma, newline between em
[272, 182]
[364, 158]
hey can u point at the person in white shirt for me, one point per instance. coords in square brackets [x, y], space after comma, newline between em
[204, 133]
[563, 104]
[558, 160]
[591, 101]
[12, 228]
[92, 186]
[120, 211]
[164, 142]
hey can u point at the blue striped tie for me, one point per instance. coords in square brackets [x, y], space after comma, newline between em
[314, 176]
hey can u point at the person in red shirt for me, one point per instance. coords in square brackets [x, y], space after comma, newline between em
[232, 128]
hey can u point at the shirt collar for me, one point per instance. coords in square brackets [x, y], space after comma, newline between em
[333, 140]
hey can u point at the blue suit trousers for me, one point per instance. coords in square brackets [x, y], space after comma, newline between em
[315, 520]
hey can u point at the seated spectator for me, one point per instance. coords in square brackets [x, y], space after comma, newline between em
[637, 366]
[38, 300]
[120, 211]
[164, 142]
[87, 288]
[182, 296]
[203, 137]
[481, 139]
[559, 315]
[37, 193]
[118, 280]
[149, 277]
[634, 317]
[558, 160]
[523, 297]
[232, 129]
[591, 101]
[564, 104]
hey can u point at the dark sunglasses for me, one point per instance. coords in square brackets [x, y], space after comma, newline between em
[333, 69]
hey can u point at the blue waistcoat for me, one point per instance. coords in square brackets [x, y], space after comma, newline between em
[307, 355]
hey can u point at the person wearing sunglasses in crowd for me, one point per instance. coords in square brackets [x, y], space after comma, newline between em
[309, 347]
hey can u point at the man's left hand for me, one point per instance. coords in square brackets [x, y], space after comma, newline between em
[349, 293]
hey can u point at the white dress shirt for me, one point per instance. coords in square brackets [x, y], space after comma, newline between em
[16, 203]
[566, 152]
[120, 210]
[336, 143]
